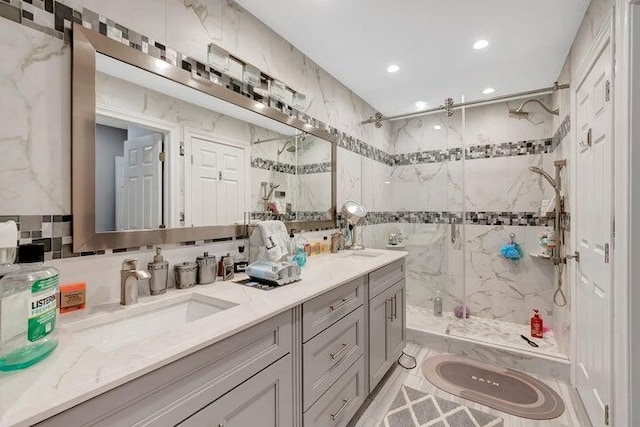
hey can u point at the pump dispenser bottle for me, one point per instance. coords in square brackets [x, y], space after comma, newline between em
[159, 270]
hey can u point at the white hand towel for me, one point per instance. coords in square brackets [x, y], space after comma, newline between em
[273, 236]
[8, 242]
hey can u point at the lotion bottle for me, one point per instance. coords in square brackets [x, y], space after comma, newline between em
[437, 305]
[536, 324]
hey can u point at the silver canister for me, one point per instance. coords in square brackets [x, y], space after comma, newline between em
[185, 274]
[159, 271]
[207, 268]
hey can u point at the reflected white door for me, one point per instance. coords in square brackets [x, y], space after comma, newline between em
[143, 182]
[120, 196]
[594, 237]
[218, 183]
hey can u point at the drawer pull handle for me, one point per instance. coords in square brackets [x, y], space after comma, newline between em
[334, 307]
[344, 348]
[338, 414]
[387, 303]
[395, 306]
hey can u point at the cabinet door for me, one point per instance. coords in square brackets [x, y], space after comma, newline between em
[379, 311]
[263, 400]
[396, 319]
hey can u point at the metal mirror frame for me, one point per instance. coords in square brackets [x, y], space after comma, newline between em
[86, 43]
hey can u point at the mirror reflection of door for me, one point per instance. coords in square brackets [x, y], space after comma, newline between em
[218, 186]
[142, 183]
[129, 178]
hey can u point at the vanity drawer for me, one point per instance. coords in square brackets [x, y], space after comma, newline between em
[385, 277]
[324, 310]
[329, 354]
[341, 402]
[173, 392]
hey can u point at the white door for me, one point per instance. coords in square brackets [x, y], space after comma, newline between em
[143, 182]
[594, 237]
[120, 196]
[218, 183]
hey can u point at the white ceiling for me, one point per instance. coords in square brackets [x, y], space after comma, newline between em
[431, 40]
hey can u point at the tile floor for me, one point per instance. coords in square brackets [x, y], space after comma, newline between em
[374, 414]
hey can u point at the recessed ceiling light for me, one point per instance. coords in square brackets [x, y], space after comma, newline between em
[480, 44]
[393, 68]
[488, 91]
[420, 105]
[437, 127]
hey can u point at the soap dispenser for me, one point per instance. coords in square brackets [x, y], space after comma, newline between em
[159, 270]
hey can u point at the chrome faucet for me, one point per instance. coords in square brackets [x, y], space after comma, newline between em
[129, 276]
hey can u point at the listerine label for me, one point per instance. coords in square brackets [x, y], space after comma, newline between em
[42, 308]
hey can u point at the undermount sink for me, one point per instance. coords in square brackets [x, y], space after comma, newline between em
[138, 323]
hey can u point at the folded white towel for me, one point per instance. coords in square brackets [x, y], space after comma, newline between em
[272, 235]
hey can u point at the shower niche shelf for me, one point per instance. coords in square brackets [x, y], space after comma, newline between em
[539, 256]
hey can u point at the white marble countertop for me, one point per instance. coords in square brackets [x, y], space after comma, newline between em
[76, 372]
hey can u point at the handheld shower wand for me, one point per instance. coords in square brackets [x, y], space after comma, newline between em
[559, 257]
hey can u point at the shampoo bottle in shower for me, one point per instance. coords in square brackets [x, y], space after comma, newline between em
[536, 324]
[437, 305]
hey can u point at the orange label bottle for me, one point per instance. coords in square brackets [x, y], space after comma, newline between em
[536, 324]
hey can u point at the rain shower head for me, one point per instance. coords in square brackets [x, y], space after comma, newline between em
[519, 114]
[545, 175]
[289, 146]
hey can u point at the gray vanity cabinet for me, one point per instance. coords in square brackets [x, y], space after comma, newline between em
[386, 330]
[264, 400]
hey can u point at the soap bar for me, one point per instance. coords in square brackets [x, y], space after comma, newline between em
[72, 297]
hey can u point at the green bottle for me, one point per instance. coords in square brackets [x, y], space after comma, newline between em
[28, 311]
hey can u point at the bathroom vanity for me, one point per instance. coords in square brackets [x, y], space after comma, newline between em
[306, 354]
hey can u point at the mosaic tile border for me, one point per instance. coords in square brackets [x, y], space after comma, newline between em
[272, 165]
[522, 219]
[291, 216]
[562, 131]
[308, 169]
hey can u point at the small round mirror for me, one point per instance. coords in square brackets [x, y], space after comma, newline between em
[353, 211]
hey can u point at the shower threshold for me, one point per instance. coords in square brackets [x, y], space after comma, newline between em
[488, 340]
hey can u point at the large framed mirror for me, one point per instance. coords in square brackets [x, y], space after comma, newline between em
[161, 155]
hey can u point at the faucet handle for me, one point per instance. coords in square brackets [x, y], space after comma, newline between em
[130, 264]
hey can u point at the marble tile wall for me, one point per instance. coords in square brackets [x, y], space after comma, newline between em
[595, 18]
[478, 161]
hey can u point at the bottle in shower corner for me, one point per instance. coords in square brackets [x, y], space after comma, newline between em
[29, 311]
[437, 305]
[537, 327]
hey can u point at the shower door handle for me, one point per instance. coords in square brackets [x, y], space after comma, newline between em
[453, 232]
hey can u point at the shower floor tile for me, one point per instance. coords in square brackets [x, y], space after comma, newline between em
[489, 331]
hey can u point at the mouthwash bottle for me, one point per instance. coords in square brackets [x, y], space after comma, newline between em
[28, 311]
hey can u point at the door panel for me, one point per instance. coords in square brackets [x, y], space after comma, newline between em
[218, 183]
[594, 237]
[378, 349]
[143, 182]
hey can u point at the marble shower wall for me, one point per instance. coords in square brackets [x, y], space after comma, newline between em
[493, 180]
[593, 22]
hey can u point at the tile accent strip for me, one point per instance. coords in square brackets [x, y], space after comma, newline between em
[272, 165]
[562, 131]
[523, 219]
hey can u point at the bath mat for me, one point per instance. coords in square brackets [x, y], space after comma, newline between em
[500, 388]
[413, 408]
